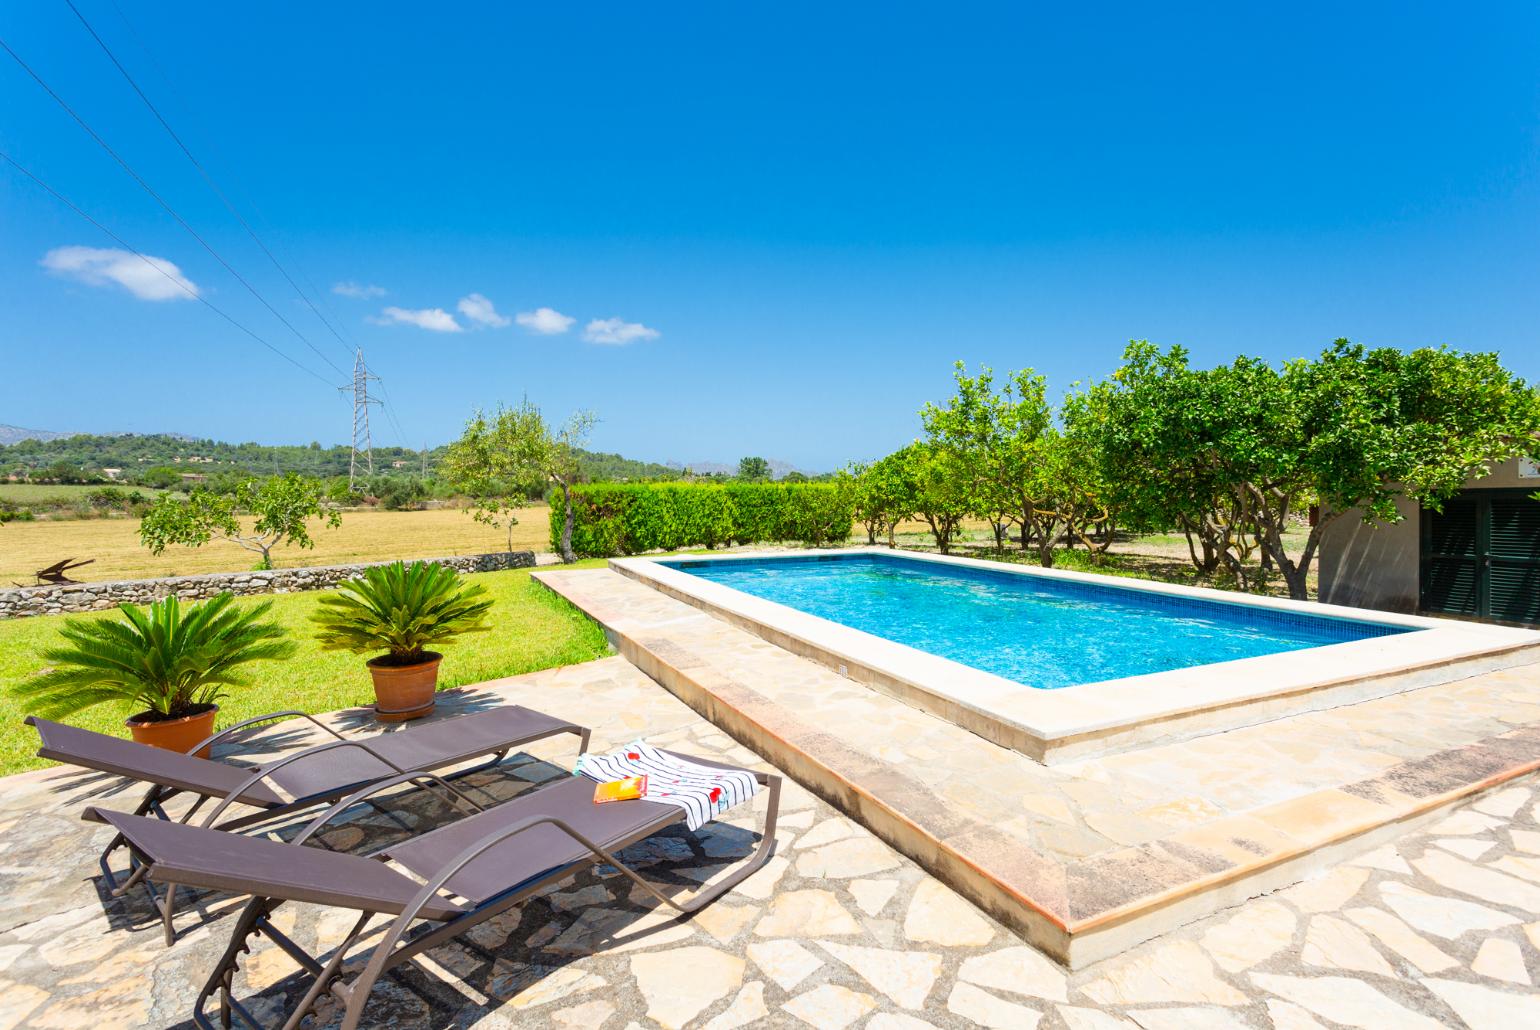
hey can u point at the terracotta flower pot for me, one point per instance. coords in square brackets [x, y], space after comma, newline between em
[403, 692]
[174, 734]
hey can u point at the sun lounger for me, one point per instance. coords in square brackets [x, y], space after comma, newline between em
[307, 778]
[466, 872]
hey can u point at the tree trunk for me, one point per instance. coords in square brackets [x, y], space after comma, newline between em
[566, 526]
[942, 534]
[1047, 539]
[1000, 531]
[1210, 559]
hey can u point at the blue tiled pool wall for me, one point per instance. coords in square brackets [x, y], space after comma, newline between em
[1324, 628]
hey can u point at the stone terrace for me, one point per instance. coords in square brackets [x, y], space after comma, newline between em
[1084, 858]
[1439, 927]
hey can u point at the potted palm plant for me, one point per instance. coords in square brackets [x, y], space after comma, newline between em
[172, 661]
[402, 610]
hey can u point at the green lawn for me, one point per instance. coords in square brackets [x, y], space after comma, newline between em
[532, 629]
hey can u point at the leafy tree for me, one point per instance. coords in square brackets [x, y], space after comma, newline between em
[937, 489]
[880, 495]
[753, 470]
[398, 493]
[1002, 442]
[498, 460]
[159, 478]
[66, 472]
[1064, 497]
[1248, 446]
[1136, 426]
[279, 509]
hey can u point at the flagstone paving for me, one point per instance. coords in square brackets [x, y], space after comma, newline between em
[1439, 928]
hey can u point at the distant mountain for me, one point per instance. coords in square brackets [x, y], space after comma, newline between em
[15, 434]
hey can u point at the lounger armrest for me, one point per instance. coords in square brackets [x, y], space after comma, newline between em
[267, 770]
[291, 713]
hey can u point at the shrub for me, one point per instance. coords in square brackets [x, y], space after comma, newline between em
[170, 660]
[613, 519]
[598, 529]
[402, 610]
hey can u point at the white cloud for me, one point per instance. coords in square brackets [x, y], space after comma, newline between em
[479, 309]
[435, 319]
[359, 291]
[545, 321]
[148, 278]
[613, 330]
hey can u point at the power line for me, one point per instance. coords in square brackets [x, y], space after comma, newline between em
[181, 284]
[229, 206]
[389, 405]
[161, 201]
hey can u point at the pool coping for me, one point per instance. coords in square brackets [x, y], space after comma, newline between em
[1086, 720]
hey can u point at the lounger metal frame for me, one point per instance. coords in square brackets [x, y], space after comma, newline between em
[397, 947]
[156, 795]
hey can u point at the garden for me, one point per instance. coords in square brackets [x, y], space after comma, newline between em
[528, 628]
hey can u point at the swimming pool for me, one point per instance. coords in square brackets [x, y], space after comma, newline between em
[1063, 665]
[1042, 633]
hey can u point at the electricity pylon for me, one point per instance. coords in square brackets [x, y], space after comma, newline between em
[361, 402]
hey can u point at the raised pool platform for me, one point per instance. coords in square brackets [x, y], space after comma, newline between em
[1086, 858]
[1334, 656]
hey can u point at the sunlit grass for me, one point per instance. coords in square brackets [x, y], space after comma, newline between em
[532, 628]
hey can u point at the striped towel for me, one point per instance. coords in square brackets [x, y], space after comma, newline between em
[701, 791]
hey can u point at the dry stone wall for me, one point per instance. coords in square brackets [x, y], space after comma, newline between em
[86, 597]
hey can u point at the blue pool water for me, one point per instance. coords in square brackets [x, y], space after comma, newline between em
[1036, 631]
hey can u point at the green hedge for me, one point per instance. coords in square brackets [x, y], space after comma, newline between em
[612, 519]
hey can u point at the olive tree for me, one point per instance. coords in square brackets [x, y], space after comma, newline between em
[257, 514]
[500, 460]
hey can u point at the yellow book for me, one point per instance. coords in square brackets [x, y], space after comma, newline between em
[628, 789]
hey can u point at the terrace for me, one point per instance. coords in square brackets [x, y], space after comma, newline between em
[1315, 869]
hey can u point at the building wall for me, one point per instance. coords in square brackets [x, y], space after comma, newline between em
[85, 597]
[1377, 565]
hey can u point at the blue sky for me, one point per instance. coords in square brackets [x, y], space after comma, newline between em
[815, 208]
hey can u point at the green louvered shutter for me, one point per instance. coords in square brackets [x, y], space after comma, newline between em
[1514, 565]
[1451, 558]
[1481, 556]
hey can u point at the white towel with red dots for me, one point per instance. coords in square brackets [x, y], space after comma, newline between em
[701, 791]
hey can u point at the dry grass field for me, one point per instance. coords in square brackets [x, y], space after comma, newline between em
[364, 536]
[49, 493]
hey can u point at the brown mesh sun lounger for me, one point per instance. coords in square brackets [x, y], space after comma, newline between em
[465, 873]
[307, 778]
